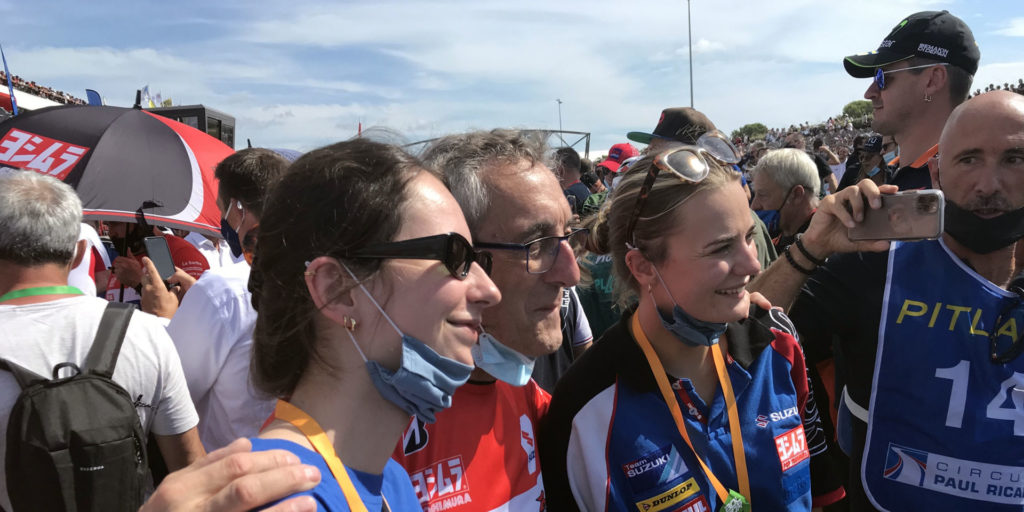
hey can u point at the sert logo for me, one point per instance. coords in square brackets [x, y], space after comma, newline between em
[792, 447]
[670, 497]
[887, 43]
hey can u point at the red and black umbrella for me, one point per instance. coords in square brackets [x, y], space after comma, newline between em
[120, 159]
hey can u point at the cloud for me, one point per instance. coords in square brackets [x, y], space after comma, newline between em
[1013, 28]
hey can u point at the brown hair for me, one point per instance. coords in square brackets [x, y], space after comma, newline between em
[331, 200]
[608, 231]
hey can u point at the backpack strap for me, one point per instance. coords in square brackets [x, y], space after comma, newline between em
[26, 378]
[107, 345]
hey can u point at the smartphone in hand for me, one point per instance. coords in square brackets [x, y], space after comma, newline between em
[158, 251]
[908, 215]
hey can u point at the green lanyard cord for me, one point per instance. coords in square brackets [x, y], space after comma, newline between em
[40, 290]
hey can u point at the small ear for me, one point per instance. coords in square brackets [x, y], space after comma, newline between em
[938, 76]
[798, 191]
[641, 268]
[329, 287]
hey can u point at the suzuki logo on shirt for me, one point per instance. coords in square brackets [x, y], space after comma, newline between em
[762, 420]
[440, 481]
[526, 441]
[792, 447]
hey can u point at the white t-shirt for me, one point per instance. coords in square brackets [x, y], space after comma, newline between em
[217, 255]
[213, 332]
[41, 336]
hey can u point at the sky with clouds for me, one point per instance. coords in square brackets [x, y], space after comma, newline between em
[301, 74]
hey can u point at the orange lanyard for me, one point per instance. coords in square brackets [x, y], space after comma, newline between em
[921, 160]
[318, 438]
[677, 415]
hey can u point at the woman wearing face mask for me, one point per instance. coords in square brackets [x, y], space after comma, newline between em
[369, 297]
[695, 400]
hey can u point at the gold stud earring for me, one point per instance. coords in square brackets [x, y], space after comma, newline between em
[350, 323]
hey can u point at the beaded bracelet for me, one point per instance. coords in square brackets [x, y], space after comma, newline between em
[807, 254]
[789, 258]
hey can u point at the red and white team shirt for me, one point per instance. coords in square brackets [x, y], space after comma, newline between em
[481, 454]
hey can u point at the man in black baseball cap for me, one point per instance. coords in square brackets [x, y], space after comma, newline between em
[920, 72]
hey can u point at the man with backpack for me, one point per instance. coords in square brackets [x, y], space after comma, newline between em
[82, 385]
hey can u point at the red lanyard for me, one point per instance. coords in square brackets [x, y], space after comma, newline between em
[677, 415]
[318, 438]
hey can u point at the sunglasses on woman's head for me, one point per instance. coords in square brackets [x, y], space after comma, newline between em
[688, 163]
[451, 249]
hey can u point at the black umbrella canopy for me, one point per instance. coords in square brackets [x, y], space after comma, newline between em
[117, 159]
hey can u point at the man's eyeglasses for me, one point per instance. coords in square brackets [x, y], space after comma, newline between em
[452, 249]
[688, 163]
[880, 75]
[541, 253]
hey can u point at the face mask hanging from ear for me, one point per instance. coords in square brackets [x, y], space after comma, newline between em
[424, 382]
[689, 330]
[229, 233]
[501, 362]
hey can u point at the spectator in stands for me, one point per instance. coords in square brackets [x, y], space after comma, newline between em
[46, 322]
[828, 180]
[922, 70]
[786, 180]
[213, 327]
[873, 164]
[370, 298]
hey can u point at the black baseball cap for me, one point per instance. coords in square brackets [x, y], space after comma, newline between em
[936, 35]
[873, 145]
[682, 124]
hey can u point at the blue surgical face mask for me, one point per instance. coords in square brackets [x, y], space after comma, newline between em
[874, 170]
[689, 330]
[424, 382]
[890, 155]
[501, 362]
[229, 233]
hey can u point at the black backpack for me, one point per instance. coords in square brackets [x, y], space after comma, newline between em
[76, 443]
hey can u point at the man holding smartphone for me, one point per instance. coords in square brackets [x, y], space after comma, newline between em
[127, 268]
[929, 331]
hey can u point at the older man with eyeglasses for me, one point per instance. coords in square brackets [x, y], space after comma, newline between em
[921, 71]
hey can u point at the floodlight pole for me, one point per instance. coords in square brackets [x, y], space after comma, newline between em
[689, 36]
[560, 120]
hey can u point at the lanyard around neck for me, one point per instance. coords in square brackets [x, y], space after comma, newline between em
[40, 290]
[921, 160]
[318, 438]
[673, 405]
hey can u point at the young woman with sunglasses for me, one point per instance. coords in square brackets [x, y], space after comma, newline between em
[695, 400]
[369, 297]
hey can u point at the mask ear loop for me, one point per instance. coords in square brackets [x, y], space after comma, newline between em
[374, 301]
